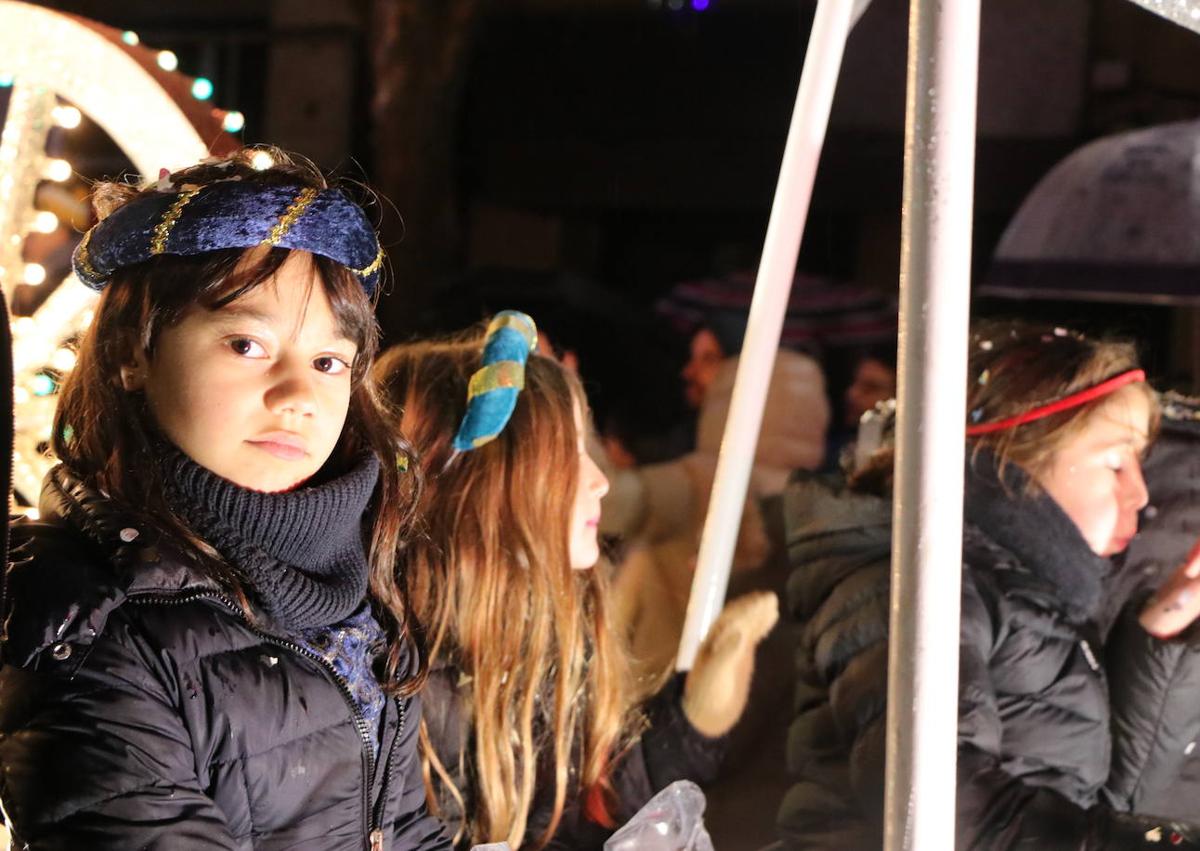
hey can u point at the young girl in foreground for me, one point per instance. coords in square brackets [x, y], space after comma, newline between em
[200, 651]
[1055, 428]
[532, 740]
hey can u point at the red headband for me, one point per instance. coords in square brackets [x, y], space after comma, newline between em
[1066, 403]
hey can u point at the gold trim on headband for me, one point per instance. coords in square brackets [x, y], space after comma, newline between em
[373, 268]
[519, 323]
[502, 373]
[291, 215]
[81, 257]
[162, 231]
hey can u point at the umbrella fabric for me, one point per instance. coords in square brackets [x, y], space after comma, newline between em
[1186, 13]
[1116, 220]
[819, 316]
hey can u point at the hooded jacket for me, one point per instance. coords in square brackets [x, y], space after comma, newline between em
[1033, 734]
[660, 508]
[140, 708]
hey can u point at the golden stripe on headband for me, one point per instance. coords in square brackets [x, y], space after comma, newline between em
[162, 231]
[373, 268]
[518, 322]
[503, 373]
[81, 257]
[291, 215]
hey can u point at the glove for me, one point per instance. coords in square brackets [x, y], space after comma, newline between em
[715, 692]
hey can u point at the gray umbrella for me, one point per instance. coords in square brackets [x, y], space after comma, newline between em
[1117, 220]
[1186, 13]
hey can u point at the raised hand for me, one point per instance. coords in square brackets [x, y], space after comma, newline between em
[1176, 604]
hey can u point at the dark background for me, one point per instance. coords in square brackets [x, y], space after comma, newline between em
[632, 144]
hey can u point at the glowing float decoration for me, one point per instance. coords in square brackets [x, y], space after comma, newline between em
[153, 116]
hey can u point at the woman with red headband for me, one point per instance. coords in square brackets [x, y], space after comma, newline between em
[1056, 425]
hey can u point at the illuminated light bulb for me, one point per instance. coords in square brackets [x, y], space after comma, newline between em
[32, 513]
[20, 395]
[699, 5]
[42, 385]
[63, 360]
[234, 121]
[35, 273]
[45, 221]
[202, 88]
[131, 38]
[67, 117]
[261, 161]
[167, 60]
[57, 170]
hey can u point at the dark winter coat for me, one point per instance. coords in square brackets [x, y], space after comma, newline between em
[1170, 524]
[1156, 684]
[1034, 742]
[140, 709]
[669, 749]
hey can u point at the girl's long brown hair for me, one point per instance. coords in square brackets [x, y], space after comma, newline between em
[106, 436]
[491, 583]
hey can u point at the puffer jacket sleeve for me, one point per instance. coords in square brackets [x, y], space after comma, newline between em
[669, 749]
[414, 829]
[996, 811]
[94, 753]
[1153, 685]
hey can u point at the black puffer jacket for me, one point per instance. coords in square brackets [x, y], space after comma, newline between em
[1156, 684]
[1170, 524]
[140, 709]
[669, 749]
[1034, 744]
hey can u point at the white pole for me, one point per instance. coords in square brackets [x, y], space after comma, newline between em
[777, 269]
[935, 267]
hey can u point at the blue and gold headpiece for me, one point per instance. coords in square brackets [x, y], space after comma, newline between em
[493, 389]
[231, 214]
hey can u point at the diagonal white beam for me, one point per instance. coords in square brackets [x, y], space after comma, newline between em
[776, 271]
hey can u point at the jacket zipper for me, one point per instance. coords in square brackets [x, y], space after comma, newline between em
[371, 828]
[389, 767]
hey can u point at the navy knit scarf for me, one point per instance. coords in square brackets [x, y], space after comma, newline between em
[301, 551]
[1035, 529]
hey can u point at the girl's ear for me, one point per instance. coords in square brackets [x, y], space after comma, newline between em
[134, 365]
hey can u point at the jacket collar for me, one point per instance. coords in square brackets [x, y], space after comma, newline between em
[145, 561]
[1037, 531]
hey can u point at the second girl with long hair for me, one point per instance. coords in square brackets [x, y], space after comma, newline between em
[531, 736]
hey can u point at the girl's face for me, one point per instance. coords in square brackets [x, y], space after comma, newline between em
[257, 391]
[585, 513]
[1097, 477]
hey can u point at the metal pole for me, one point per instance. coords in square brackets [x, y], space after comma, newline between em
[935, 266]
[776, 270]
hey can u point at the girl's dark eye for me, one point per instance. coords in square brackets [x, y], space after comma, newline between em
[330, 365]
[246, 347]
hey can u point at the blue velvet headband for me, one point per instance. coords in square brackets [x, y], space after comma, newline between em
[231, 214]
